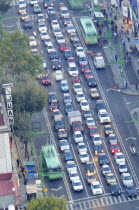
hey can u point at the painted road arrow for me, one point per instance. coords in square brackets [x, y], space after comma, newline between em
[56, 189]
[130, 138]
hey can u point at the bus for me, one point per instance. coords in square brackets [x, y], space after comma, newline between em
[89, 31]
[76, 4]
[52, 163]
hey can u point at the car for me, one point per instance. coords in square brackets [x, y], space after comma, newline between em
[61, 5]
[78, 137]
[68, 155]
[59, 75]
[64, 12]
[79, 51]
[98, 149]
[60, 39]
[54, 105]
[64, 86]
[34, 51]
[42, 27]
[99, 62]
[81, 147]
[71, 60]
[103, 159]
[67, 98]
[90, 178]
[53, 16]
[73, 36]
[83, 60]
[90, 122]
[50, 48]
[67, 20]
[114, 148]
[56, 64]
[110, 178]
[70, 29]
[80, 96]
[51, 96]
[96, 139]
[112, 138]
[47, 41]
[27, 24]
[84, 105]
[103, 116]
[59, 123]
[90, 168]
[77, 126]
[73, 175]
[47, 4]
[115, 189]
[73, 71]
[96, 188]
[32, 2]
[55, 24]
[22, 3]
[41, 18]
[84, 68]
[53, 54]
[94, 93]
[119, 158]
[75, 78]
[105, 169]
[46, 79]
[77, 185]
[76, 43]
[57, 113]
[62, 134]
[77, 87]
[122, 167]
[63, 47]
[36, 9]
[64, 145]
[84, 157]
[32, 41]
[71, 166]
[50, 9]
[88, 74]
[44, 35]
[91, 80]
[93, 130]
[108, 130]
[24, 16]
[87, 113]
[21, 9]
[67, 54]
[131, 191]
[57, 31]
[100, 105]
[44, 64]
[68, 108]
[127, 179]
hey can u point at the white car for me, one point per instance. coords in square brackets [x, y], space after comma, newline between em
[80, 51]
[55, 24]
[70, 165]
[80, 96]
[127, 179]
[122, 168]
[60, 39]
[96, 188]
[32, 41]
[73, 175]
[50, 48]
[64, 12]
[47, 41]
[77, 87]
[50, 9]
[22, 3]
[42, 27]
[64, 144]
[59, 75]
[43, 35]
[84, 105]
[57, 31]
[32, 2]
[73, 70]
[84, 157]
[97, 139]
[44, 64]
[77, 185]
[41, 18]
[90, 122]
[78, 137]
[105, 169]
[81, 147]
[119, 157]
[103, 116]
[70, 29]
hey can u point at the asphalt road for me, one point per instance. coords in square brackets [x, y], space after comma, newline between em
[116, 105]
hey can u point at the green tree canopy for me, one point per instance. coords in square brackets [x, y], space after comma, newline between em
[4, 5]
[47, 203]
[15, 55]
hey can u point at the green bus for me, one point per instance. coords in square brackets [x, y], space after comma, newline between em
[89, 31]
[53, 166]
[76, 4]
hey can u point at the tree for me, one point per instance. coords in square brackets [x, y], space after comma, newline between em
[47, 203]
[5, 5]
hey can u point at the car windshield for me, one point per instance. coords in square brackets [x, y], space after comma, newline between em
[113, 137]
[104, 115]
[90, 121]
[71, 27]
[91, 177]
[120, 157]
[97, 138]
[78, 135]
[54, 53]
[84, 104]
[71, 165]
[71, 60]
[82, 147]
[110, 177]
[84, 155]
[40, 17]
[90, 166]
[96, 186]
[108, 128]
[122, 166]
[67, 19]
[80, 95]
[73, 175]
[73, 69]
[56, 62]
[102, 157]
[78, 184]
[114, 146]
[52, 96]
[115, 187]
[131, 188]
[80, 50]
[127, 178]
[64, 143]
[63, 45]
[67, 97]
[50, 47]
[60, 37]
[77, 86]
[106, 169]
[98, 147]
[64, 85]
[45, 78]
[69, 106]
[87, 112]
[83, 59]
[76, 124]
[68, 154]
[64, 12]
[57, 113]
[53, 103]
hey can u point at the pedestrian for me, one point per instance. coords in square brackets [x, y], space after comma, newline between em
[17, 161]
[136, 85]
[101, 43]
[22, 168]
[106, 15]
[116, 28]
[100, 32]
[127, 31]
[126, 84]
[128, 38]
[123, 21]
[116, 57]
[123, 42]
[116, 7]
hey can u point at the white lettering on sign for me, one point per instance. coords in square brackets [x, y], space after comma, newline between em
[8, 91]
[7, 85]
[10, 113]
[11, 120]
[9, 105]
[8, 98]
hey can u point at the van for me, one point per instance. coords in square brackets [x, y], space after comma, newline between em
[114, 3]
[99, 61]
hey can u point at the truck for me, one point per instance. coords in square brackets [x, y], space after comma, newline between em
[74, 116]
[99, 62]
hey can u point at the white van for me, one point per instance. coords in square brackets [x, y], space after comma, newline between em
[99, 62]
[114, 3]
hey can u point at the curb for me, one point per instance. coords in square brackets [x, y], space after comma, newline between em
[131, 94]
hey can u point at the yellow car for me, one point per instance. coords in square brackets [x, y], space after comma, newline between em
[24, 16]
[22, 9]
[94, 93]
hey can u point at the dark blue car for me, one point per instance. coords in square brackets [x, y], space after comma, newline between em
[68, 155]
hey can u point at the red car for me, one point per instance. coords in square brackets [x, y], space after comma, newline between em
[77, 126]
[64, 46]
[88, 74]
[93, 130]
[84, 68]
[114, 148]
[70, 60]
[46, 79]
[75, 78]
[53, 105]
